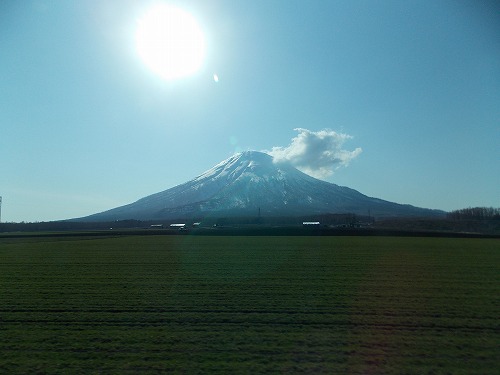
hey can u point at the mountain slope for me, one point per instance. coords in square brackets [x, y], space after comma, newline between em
[249, 181]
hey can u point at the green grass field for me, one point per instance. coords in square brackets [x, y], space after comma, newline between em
[194, 304]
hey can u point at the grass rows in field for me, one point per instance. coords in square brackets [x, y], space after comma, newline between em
[252, 304]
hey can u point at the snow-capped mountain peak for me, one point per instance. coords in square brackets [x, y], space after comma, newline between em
[250, 181]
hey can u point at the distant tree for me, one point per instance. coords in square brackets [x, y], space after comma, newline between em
[475, 213]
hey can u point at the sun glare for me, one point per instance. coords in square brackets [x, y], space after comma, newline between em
[169, 41]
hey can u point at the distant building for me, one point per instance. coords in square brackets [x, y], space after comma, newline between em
[311, 223]
[156, 226]
[178, 226]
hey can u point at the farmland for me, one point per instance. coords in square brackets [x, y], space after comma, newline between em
[235, 304]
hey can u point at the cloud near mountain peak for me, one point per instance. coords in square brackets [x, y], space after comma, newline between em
[318, 154]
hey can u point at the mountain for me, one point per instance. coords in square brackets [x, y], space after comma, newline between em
[250, 183]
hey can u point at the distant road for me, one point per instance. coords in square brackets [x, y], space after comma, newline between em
[251, 231]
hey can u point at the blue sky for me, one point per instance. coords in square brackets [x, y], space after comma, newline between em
[86, 126]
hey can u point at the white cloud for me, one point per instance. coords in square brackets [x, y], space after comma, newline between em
[318, 154]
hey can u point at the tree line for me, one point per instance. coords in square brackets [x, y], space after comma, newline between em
[475, 213]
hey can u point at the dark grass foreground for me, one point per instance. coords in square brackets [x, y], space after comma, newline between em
[196, 304]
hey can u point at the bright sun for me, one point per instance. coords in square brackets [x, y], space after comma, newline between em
[169, 41]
